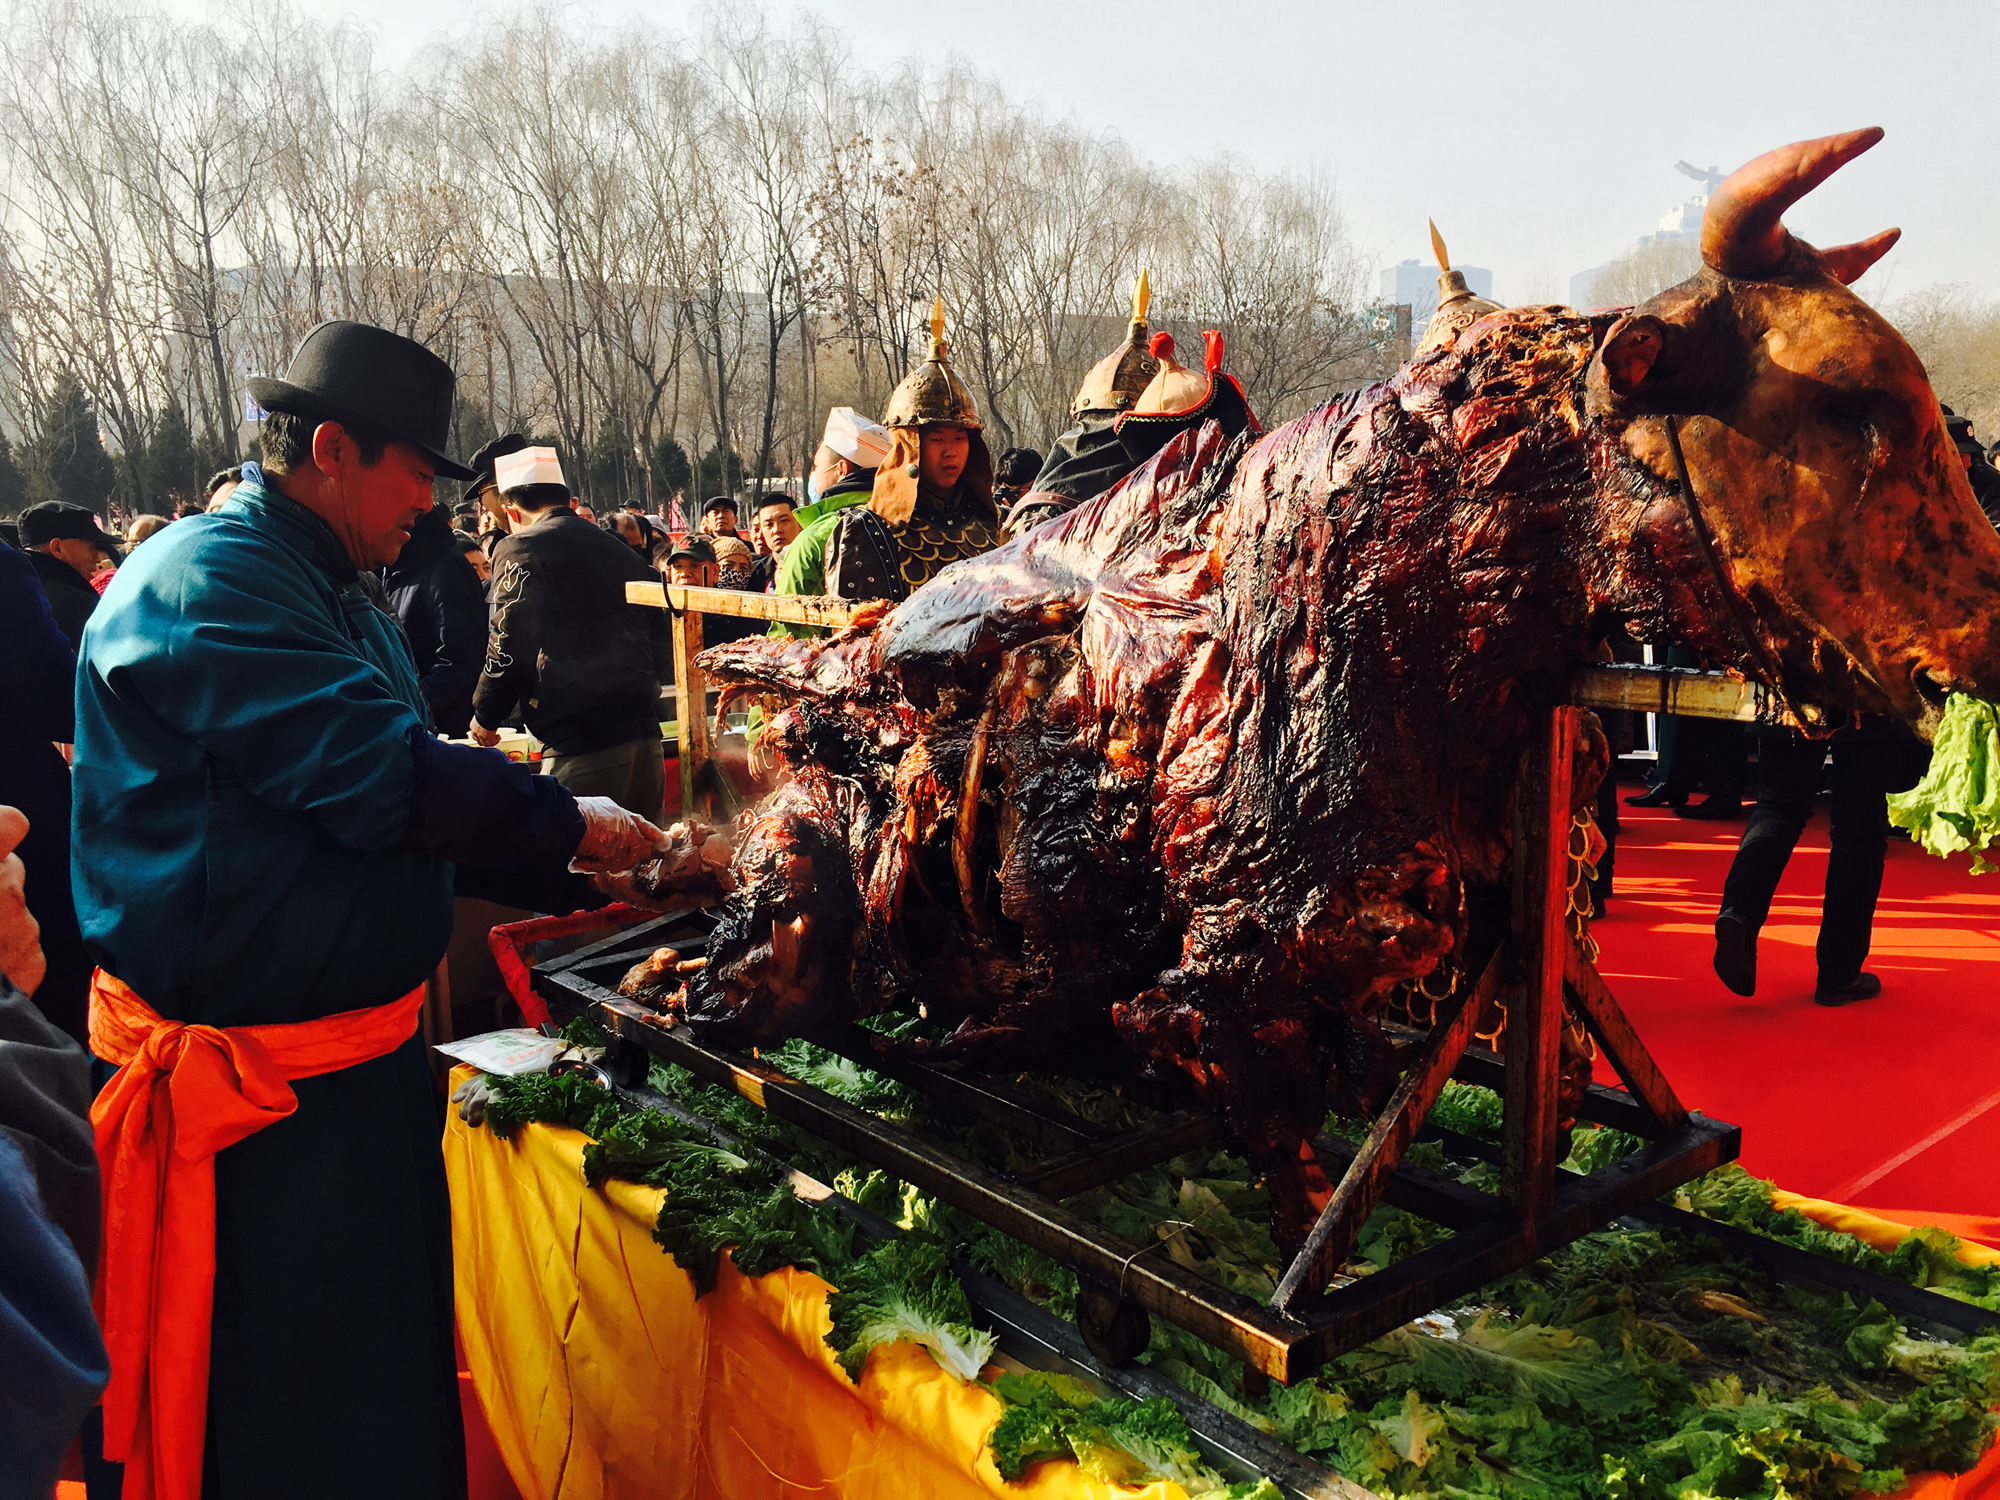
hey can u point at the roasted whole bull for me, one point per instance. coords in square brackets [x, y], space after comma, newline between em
[1191, 778]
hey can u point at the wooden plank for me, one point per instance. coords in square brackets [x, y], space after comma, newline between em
[1672, 690]
[791, 609]
[1620, 1043]
[1100, 1162]
[1535, 1014]
[692, 720]
[1333, 1235]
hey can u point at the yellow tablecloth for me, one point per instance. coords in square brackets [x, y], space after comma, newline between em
[603, 1376]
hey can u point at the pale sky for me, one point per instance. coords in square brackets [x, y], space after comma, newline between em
[1541, 136]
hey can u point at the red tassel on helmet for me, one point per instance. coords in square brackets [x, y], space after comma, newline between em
[1211, 359]
[1161, 345]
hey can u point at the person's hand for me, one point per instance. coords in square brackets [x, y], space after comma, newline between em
[20, 935]
[613, 839]
[479, 734]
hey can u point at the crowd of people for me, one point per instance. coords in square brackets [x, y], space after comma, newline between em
[253, 745]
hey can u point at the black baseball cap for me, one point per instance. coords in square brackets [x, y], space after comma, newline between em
[53, 520]
[697, 547]
[719, 502]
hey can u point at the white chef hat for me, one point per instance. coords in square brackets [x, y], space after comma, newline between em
[512, 471]
[857, 439]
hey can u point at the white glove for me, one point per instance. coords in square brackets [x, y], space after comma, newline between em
[471, 1096]
[613, 839]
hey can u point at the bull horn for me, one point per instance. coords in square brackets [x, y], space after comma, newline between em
[1742, 233]
[1849, 263]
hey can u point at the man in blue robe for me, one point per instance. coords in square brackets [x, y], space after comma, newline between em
[265, 832]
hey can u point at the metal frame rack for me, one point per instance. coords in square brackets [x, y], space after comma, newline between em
[1539, 966]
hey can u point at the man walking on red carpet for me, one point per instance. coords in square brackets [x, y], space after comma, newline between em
[1869, 761]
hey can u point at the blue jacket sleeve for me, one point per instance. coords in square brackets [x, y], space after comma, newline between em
[234, 649]
[38, 666]
[476, 807]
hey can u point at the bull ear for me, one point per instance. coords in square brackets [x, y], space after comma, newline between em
[1631, 349]
[1848, 263]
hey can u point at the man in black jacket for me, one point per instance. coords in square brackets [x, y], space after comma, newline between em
[585, 666]
[38, 689]
[66, 546]
[438, 600]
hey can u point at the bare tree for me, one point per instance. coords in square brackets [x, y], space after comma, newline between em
[1956, 333]
[617, 238]
[1645, 271]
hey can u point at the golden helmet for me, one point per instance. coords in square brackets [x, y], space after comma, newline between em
[1457, 307]
[931, 395]
[1116, 381]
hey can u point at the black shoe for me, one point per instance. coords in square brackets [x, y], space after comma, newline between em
[1860, 987]
[1736, 954]
[1659, 796]
[1713, 807]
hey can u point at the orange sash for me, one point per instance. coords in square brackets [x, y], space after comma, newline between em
[181, 1094]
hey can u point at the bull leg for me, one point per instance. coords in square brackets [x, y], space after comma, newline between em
[1267, 1072]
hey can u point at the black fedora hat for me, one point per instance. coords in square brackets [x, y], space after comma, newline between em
[356, 374]
[483, 461]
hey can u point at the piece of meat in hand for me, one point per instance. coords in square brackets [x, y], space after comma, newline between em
[691, 873]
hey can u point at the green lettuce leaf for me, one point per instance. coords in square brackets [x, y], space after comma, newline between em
[904, 1289]
[1957, 804]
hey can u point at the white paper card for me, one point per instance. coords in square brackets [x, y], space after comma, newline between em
[508, 1054]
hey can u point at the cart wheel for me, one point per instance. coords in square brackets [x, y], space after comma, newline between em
[1116, 1332]
[628, 1063]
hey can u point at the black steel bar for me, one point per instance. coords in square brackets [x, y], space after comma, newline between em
[1484, 1251]
[1228, 1320]
[1038, 1339]
[1599, 1105]
[1041, 1339]
[1119, 1156]
[1789, 1263]
[612, 944]
[979, 1097]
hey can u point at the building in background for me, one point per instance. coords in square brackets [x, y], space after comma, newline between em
[1682, 222]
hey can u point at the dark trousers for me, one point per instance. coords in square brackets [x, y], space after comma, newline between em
[1700, 754]
[1788, 779]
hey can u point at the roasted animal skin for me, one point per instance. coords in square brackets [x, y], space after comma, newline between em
[1191, 778]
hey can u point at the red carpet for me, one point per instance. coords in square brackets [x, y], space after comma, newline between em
[1893, 1103]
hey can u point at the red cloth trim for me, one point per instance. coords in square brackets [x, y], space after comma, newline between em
[509, 941]
[1211, 350]
[182, 1093]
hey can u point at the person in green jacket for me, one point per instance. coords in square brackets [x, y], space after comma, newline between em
[843, 475]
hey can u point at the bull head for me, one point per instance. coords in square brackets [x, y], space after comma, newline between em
[1837, 524]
